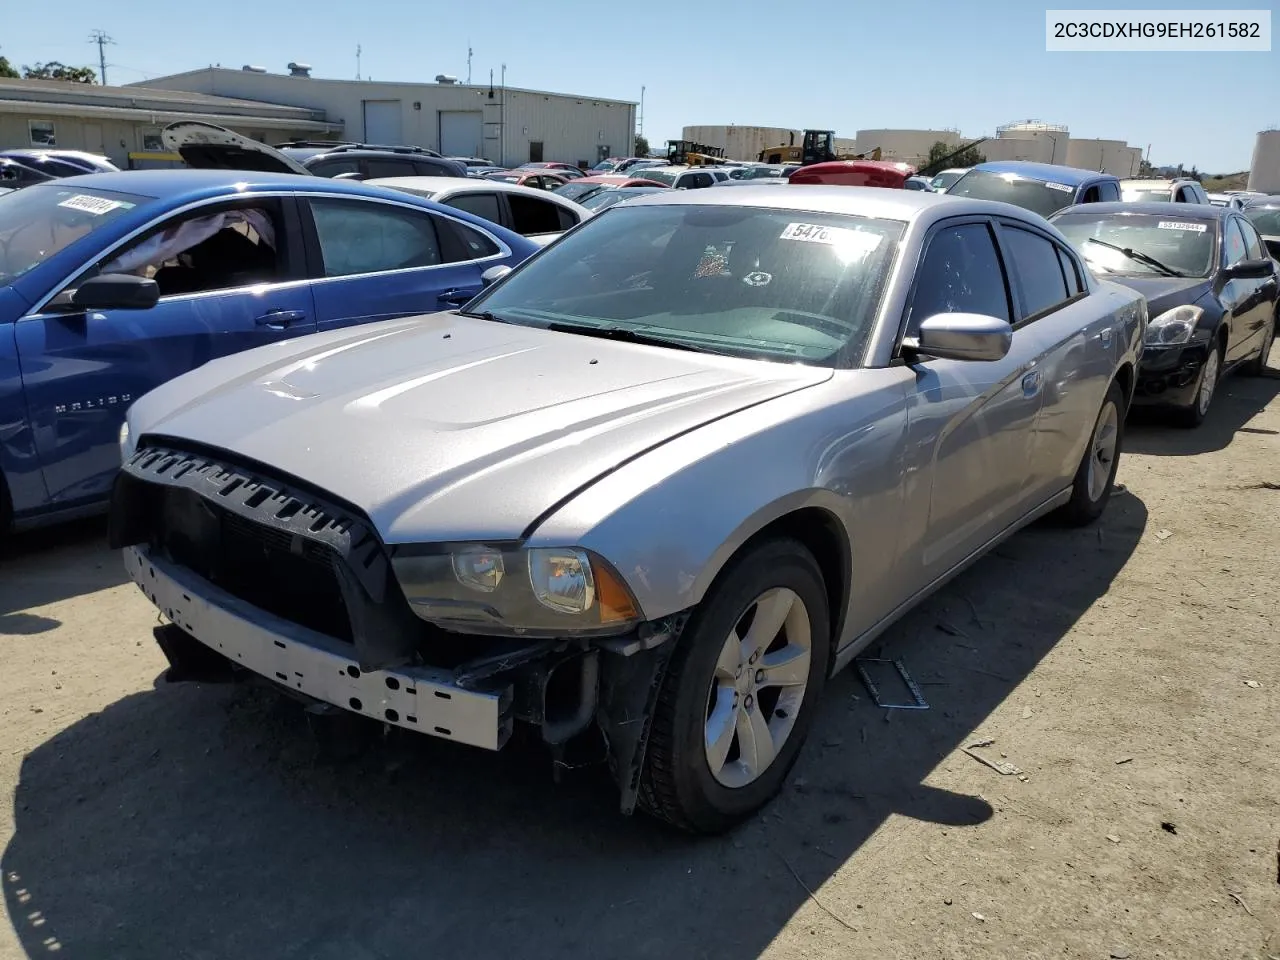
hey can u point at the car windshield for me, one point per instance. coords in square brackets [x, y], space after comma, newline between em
[657, 176]
[607, 198]
[771, 284]
[1141, 194]
[1039, 196]
[38, 222]
[945, 179]
[578, 191]
[1161, 244]
[1266, 220]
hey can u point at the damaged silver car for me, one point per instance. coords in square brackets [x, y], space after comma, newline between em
[660, 481]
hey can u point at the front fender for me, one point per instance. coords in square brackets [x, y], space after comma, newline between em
[670, 520]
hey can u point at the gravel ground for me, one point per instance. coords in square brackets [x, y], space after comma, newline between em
[1129, 671]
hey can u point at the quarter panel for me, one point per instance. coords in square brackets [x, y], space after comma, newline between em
[670, 520]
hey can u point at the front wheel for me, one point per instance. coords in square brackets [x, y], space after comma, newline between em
[1257, 367]
[1096, 475]
[738, 699]
[1206, 387]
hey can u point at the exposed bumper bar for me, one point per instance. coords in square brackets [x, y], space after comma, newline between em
[415, 698]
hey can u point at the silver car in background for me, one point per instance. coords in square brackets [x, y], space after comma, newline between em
[663, 479]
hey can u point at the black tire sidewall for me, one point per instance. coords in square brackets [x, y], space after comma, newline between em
[783, 563]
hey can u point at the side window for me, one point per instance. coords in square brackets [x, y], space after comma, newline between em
[530, 216]
[459, 242]
[1185, 195]
[960, 273]
[360, 237]
[1039, 271]
[331, 168]
[1075, 283]
[1110, 190]
[390, 167]
[1091, 195]
[483, 205]
[702, 180]
[214, 249]
[1252, 242]
[426, 168]
[1234, 248]
[568, 218]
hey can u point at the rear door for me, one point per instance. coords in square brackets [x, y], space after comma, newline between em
[976, 420]
[377, 260]
[231, 276]
[1241, 297]
[1070, 341]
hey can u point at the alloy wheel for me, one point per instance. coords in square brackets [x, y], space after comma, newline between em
[1208, 381]
[1106, 435]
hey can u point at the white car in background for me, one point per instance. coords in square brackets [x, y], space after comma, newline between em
[945, 178]
[539, 215]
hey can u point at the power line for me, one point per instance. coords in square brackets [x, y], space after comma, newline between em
[101, 39]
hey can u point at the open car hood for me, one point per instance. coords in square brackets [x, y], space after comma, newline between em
[207, 146]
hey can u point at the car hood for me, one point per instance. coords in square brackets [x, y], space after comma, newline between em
[452, 428]
[207, 146]
[1165, 293]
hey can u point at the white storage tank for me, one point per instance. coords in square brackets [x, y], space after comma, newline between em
[1055, 135]
[907, 146]
[1106, 156]
[1264, 171]
[740, 142]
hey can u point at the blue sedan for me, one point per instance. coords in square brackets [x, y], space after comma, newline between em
[113, 283]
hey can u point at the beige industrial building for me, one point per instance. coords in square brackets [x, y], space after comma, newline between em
[1264, 171]
[125, 122]
[906, 146]
[508, 125]
[741, 143]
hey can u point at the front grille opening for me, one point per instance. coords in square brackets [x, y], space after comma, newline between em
[285, 575]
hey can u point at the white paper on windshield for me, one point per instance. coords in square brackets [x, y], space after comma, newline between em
[95, 205]
[848, 240]
[1060, 186]
[1179, 225]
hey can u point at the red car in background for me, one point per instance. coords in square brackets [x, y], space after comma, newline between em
[856, 173]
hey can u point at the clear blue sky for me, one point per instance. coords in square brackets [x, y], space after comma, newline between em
[923, 65]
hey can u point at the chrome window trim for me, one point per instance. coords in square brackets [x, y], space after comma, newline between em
[503, 249]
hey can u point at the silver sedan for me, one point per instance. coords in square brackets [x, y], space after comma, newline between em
[663, 479]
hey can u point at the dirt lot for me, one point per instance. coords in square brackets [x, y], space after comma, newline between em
[1130, 671]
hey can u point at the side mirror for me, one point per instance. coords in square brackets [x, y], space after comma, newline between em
[1250, 269]
[962, 336]
[116, 291]
[494, 274]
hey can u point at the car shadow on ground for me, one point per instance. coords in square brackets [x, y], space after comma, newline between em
[1150, 430]
[45, 566]
[195, 821]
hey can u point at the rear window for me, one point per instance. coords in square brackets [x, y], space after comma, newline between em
[1039, 196]
[1266, 220]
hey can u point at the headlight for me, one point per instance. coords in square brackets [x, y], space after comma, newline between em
[1173, 327]
[507, 588]
[127, 443]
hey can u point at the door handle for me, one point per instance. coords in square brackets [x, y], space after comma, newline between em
[1031, 383]
[1105, 336]
[279, 319]
[456, 298]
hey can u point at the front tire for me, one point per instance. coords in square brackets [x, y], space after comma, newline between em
[738, 698]
[1206, 389]
[1257, 367]
[1096, 475]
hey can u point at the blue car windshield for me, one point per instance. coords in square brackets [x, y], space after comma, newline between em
[39, 221]
[743, 281]
[1039, 196]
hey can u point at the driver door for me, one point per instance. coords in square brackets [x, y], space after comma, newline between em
[230, 276]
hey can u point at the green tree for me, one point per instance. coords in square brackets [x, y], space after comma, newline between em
[968, 157]
[53, 70]
[7, 69]
[642, 146]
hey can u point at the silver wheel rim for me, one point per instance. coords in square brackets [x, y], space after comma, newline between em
[758, 687]
[1102, 456]
[1266, 346]
[1208, 382]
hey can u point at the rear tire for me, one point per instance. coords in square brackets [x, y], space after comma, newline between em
[723, 742]
[1096, 475]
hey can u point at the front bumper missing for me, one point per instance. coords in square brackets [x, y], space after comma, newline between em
[414, 698]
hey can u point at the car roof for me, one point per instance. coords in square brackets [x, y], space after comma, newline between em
[456, 185]
[1068, 176]
[166, 183]
[1156, 181]
[1159, 208]
[877, 202]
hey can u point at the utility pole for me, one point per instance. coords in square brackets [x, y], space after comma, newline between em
[358, 52]
[101, 39]
[640, 119]
[469, 51]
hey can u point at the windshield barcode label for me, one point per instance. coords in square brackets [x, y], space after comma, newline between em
[1060, 186]
[1177, 225]
[95, 205]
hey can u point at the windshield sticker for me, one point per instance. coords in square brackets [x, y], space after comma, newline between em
[832, 236]
[95, 205]
[1178, 225]
[1060, 186]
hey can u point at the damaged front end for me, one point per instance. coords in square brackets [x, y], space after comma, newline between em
[292, 585]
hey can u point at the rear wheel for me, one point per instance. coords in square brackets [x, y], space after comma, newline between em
[1206, 388]
[1096, 474]
[738, 699]
[1257, 367]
